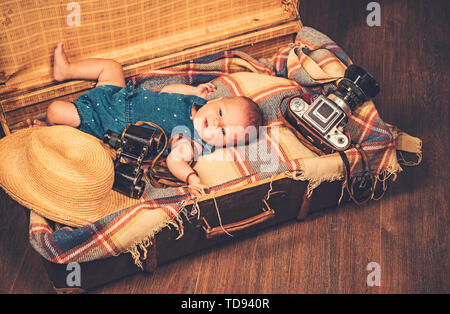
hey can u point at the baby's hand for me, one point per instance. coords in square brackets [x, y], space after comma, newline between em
[203, 90]
[196, 188]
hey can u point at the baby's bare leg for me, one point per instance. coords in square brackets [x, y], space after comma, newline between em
[104, 71]
[62, 113]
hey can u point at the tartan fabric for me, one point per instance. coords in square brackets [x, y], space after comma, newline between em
[311, 64]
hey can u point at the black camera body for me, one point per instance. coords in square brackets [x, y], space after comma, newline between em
[134, 146]
[322, 122]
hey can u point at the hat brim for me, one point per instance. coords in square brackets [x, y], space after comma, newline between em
[22, 189]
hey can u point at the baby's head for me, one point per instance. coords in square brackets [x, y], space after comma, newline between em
[228, 121]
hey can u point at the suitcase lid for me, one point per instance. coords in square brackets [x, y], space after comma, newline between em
[140, 34]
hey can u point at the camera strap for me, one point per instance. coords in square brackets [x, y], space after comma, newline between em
[360, 184]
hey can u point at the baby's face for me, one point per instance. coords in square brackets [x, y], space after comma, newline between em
[221, 122]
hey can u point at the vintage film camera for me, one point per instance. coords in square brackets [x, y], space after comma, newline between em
[323, 121]
[135, 145]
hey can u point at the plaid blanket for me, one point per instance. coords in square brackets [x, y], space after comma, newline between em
[311, 64]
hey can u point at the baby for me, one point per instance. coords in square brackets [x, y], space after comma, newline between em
[181, 110]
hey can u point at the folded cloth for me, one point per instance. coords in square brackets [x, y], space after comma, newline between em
[311, 64]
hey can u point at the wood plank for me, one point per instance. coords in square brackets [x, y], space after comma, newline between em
[177, 277]
[256, 264]
[21, 269]
[415, 218]
[13, 241]
[331, 251]
[415, 240]
[32, 277]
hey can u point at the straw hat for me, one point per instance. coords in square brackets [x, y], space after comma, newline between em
[60, 173]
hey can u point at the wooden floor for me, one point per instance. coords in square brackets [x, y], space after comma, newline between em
[406, 232]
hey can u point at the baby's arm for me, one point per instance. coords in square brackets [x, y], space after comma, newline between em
[202, 90]
[182, 152]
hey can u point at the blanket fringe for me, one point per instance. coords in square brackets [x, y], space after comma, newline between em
[402, 160]
[144, 244]
[406, 143]
[136, 254]
[218, 216]
[313, 183]
[390, 172]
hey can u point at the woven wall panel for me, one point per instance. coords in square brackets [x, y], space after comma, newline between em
[128, 31]
[141, 34]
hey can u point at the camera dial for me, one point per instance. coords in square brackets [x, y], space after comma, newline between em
[298, 105]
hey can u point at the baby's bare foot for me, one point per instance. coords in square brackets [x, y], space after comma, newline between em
[61, 67]
[35, 123]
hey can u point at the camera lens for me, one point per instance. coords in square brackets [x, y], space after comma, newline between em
[356, 87]
[363, 80]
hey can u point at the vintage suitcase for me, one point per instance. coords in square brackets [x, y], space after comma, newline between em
[146, 35]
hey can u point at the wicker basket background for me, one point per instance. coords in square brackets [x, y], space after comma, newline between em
[141, 34]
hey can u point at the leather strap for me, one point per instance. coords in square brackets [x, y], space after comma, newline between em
[151, 261]
[304, 208]
[364, 180]
[266, 214]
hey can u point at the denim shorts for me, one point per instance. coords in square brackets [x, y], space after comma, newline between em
[100, 110]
